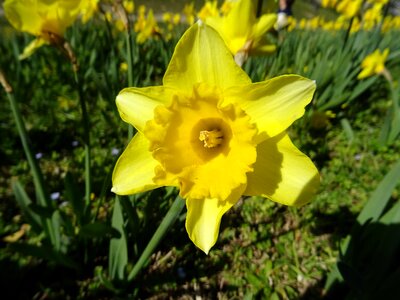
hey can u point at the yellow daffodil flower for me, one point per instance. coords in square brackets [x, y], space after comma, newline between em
[373, 63]
[129, 6]
[209, 9]
[349, 8]
[215, 135]
[88, 9]
[45, 19]
[188, 11]
[328, 3]
[242, 31]
[146, 27]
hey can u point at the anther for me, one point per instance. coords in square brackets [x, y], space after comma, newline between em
[211, 138]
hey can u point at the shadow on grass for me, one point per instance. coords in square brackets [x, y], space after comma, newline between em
[369, 267]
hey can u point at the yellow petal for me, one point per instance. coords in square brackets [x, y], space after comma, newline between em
[282, 173]
[244, 11]
[274, 104]
[366, 72]
[204, 217]
[202, 57]
[31, 48]
[135, 169]
[264, 23]
[39, 17]
[136, 105]
[263, 48]
[23, 16]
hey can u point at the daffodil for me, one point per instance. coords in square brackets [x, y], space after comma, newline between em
[209, 9]
[88, 9]
[215, 135]
[373, 63]
[242, 31]
[45, 19]
[188, 11]
[349, 8]
[146, 27]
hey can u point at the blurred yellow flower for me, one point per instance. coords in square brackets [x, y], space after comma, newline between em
[328, 3]
[45, 19]
[129, 6]
[246, 35]
[349, 8]
[373, 63]
[373, 16]
[145, 26]
[215, 135]
[209, 9]
[188, 11]
[226, 7]
[87, 9]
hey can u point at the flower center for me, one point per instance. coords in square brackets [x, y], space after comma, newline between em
[211, 138]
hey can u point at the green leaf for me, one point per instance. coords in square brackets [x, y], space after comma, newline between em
[118, 253]
[74, 197]
[361, 87]
[347, 129]
[380, 197]
[98, 230]
[24, 203]
[43, 211]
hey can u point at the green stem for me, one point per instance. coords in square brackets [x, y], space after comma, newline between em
[129, 52]
[346, 37]
[166, 223]
[38, 181]
[395, 114]
[86, 139]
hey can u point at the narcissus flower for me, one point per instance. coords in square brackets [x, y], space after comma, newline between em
[373, 63]
[146, 27]
[242, 32]
[215, 135]
[88, 9]
[349, 8]
[45, 19]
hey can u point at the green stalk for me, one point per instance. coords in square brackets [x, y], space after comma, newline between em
[38, 181]
[166, 223]
[128, 38]
[86, 138]
[395, 123]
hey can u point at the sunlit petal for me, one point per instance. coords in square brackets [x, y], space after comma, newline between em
[282, 173]
[201, 57]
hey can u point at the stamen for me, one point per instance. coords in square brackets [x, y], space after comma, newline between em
[211, 138]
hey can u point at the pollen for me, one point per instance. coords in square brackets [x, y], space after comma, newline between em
[211, 138]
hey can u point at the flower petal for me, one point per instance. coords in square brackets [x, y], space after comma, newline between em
[264, 23]
[204, 217]
[23, 16]
[274, 104]
[32, 47]
[136, 105]
[202, 57]
[282, 173]
[135, 169]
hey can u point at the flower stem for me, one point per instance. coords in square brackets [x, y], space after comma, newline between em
[395, 114]
[41, 193]
[129, 52]
[166, 223]
[130, 72]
